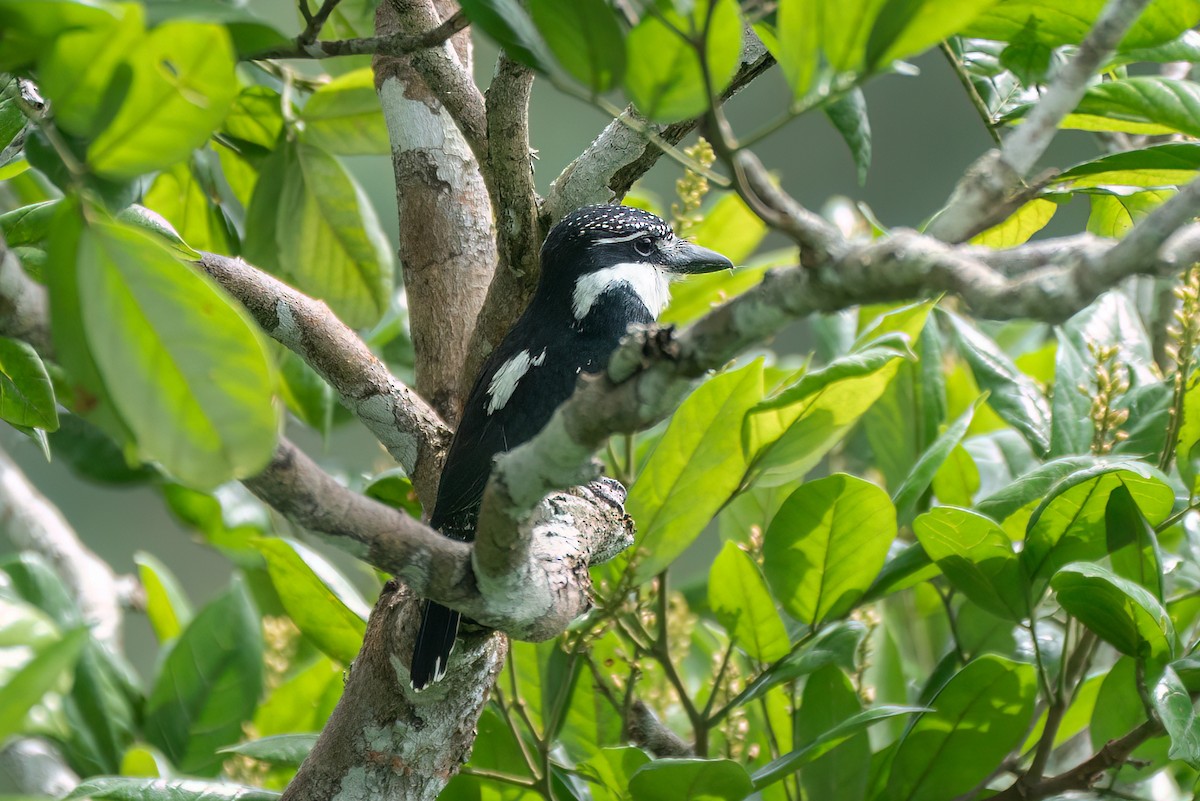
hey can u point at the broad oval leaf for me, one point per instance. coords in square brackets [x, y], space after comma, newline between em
[167, 605]
[826, 545]
[181, 362]
[280, 749]
[663, 75]
[37, 677]
[1150, 167]
[1178, 714]
[344, 116]
[120, 788]
[585, 39]
[1023, 223]
[830, 699]
[1168, 102]
[1068, 525]
[695, 468]
[320, 601]
[1131, 542]
[981, 713]
[1061, 22]
[738, 596]
[209, 684]
[26, 394]
[182, 85]
[690, 780]
[1123, 614]
[907, 27]
[977, 557]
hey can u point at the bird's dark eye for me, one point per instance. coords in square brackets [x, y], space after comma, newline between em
[644, 246]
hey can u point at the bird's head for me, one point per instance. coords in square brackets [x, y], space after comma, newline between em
[598, 249]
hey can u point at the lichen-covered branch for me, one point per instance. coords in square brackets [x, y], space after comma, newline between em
[998, 175]
[447, 237]
[36, 768]
[406, 425]
[620, 155]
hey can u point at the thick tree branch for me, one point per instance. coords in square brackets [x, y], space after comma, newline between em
[36, 768]
[394, 45]
[447, 237]
[410, 430]
[998, 175]
[519, 233]
[24, 308]
[620, 155]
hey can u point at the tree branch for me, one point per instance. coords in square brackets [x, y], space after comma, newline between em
[24, 307]
[36, 768]
[410, 430]
[998, 174]
[392, 45]
[620, 155]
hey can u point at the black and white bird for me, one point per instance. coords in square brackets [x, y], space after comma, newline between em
[604, 268]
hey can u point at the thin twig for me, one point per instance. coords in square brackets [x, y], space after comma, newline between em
[972, 93]
[397, 44]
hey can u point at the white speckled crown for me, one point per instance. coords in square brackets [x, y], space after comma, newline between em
[611, 220]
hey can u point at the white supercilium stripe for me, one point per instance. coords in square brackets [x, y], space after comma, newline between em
[504, 382]
[613, 240]
[648, 282]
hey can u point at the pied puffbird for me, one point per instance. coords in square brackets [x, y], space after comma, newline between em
[603, 268]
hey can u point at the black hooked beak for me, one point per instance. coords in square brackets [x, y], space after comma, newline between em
[686, 257]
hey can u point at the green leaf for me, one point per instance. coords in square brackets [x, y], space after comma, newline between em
[1158, 166]
[37, 677]
[1014, 395]
[826, 545]
[507, 22]
[256, 117]
[730, 227]
[690, 780]
[931, 461]
[1071, 429]
[796, 45]
[585, 38]
[849, 115]
[303, 702]
[395, 489]
[195, 217]
[344, 117]
[321, 602]
[102, 710]
[250, 33]
[1178, 714]
[663, 75]
[126, 789]
[28, 225]
[790, 432]
[1118, 611]
[978, 559]
[1023, 223]
[957, 480]
[26, 394]
[1030, 488]
[829, 700]
[611, 769]
[282, 749]
[695, 468]
[181, 87]
[209, 684]
[1168, 102]
[1131, 543]
[1069, 524]
[1062, 22]
[977, 719]
[738, 596]
[167, 605]
[1189, 434]
[1113, 215]
[836, 644]
[330, 242]
[180, 360]
[826, 742]
[907, 27]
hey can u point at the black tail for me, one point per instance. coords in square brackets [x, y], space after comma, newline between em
[435, 641]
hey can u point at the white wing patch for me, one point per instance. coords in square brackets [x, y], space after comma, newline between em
[647, 281]
[504, 382]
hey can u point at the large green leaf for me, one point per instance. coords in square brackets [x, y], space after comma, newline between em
[509, 24]
[180, 361]
[1168, 102]
[1123, 614]
[921, 476]
[977, 719]
[320, 601]
[738, 596]
[907, 27]
[209, 684]
[303, 702]
[1131, 542]
[1178, 714]
[834, 645]
[344, 117]
[1023, 223]
[330, 241]
[1014, 395]
[37, 677]
[977, 557]
[1069, 525]
[663, 75]
[585, 38]
[1061, 22]
[826, 545]
[690, 780]
[695, 468]
[280, 749]
[1150, 167]
[849, 115]
[1113, 215]
[1029, 489]
[830, 699]
[181, 87]
[26, 394]
[191, 208]
[167, 606]
[120, 788]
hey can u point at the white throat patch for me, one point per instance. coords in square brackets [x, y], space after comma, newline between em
[648, 282]
[504, 382]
